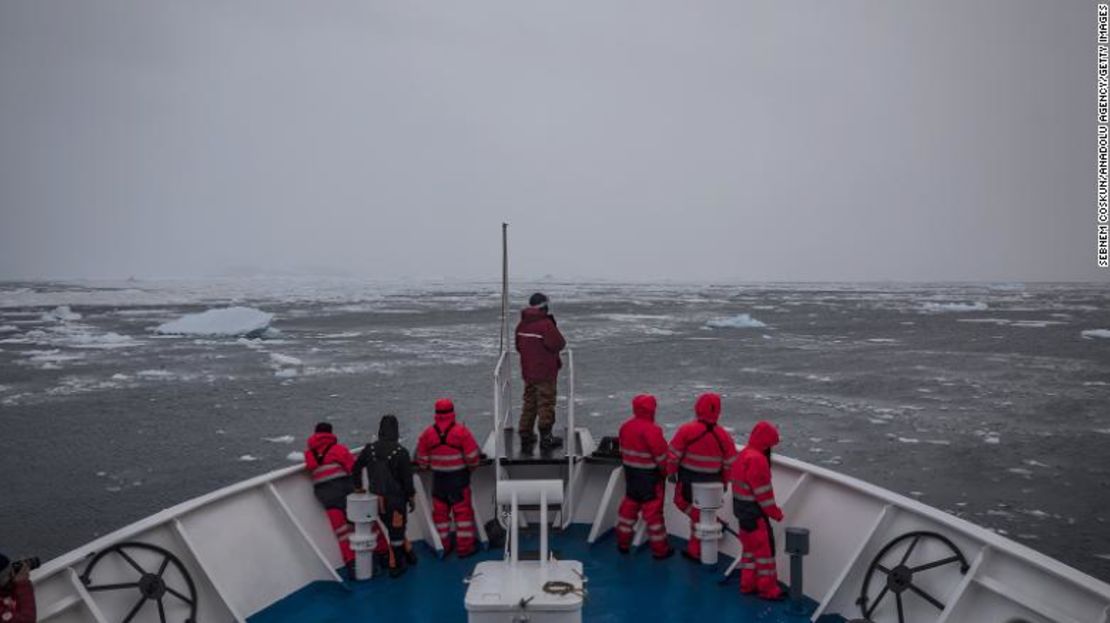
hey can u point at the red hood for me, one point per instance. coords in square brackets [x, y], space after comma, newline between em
[708, 407]
[530, 314]
[318, 441]
[643, 407]
[764, 436]
[445, 413]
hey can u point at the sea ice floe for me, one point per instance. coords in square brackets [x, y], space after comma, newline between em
[739, 321]
[286, 373]
[295, 456]
[8, 328]
[53, 356]
[61, 313]
[931, 306]
[248, 458]
[1090, 333]
[228, 321]
[155, 374]
[280, 439]
[285, 360]
[100, 340]
[1036, 324]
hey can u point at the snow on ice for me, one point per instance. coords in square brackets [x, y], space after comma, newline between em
[739, 321]
[228, 321]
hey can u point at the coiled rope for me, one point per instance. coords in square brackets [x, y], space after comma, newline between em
[559, 587]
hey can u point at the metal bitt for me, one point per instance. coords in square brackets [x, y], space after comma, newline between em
[797, 545]
[707, 499]
[362, 511]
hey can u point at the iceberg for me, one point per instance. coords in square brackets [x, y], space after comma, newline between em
[225, 322]
[739, 321]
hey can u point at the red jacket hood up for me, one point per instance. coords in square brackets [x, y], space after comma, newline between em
[643, 407]
[445, 413]
[708, 407]
[318, 441]
[764, 435]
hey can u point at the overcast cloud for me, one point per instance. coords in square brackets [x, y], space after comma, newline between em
[702, 140]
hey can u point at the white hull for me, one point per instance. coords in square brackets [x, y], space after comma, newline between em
[252, 543]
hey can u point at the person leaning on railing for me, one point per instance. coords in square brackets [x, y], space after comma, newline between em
[17, 594]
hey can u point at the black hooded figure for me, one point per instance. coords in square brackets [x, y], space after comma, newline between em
[389, 470]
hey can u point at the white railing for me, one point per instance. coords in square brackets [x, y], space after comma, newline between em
[571, 446]
[502, 407]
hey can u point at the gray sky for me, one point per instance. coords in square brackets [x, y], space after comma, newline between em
[700, 140]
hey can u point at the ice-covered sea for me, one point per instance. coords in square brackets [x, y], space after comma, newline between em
[991, 402]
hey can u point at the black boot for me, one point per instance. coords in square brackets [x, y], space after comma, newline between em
[398, 560]
[527, 443]
[549, 441]
[410, 556]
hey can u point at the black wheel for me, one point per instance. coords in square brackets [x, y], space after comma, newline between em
[898, 578]
[151, 584]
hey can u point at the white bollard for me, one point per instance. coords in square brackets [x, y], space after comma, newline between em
[707, 499]
[362, 510]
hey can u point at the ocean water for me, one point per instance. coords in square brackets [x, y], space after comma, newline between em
[990, 402]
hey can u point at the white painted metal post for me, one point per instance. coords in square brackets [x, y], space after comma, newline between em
[497, 434]
[543, 528]
[515, 538]
[571, 451]
[572, 447]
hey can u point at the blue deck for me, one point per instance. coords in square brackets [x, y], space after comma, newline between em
[621, 588]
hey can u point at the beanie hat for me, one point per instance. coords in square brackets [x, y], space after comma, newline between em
[445, 406]
[539, 299]
[323, 427]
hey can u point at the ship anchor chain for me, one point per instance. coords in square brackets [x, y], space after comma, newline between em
[900, 578]
[152, 585]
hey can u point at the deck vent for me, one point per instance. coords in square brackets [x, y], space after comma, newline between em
[797, 545]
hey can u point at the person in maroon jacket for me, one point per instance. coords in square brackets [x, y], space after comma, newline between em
[17, 595]
[539, 342]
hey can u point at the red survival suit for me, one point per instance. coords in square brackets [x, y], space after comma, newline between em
[330, 463]
[644, 454]
[701, 451]
[17, 598]
[753, 502]
[449, 449]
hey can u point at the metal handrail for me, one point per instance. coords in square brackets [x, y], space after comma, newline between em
[572, 448]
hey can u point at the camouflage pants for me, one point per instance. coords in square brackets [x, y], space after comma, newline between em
[539, 400]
